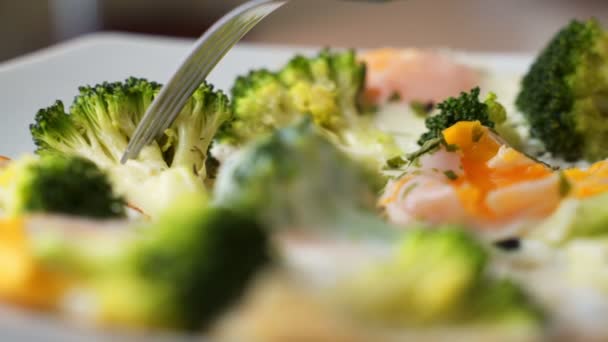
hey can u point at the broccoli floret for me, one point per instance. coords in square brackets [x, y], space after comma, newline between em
[294, 178]
[180, 272]
[61, 185]
[466, 107]
[564, 95]
[327, 88]
[437, 276]
[103, 119]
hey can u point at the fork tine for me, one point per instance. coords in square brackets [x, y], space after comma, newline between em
[173, 105]
[208, 51]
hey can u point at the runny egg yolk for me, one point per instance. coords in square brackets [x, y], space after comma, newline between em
[496, 183]
[478, 147]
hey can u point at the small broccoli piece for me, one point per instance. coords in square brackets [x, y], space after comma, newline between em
[180, 272]
[437, 276]
[187, 269]
[564, 95]
[466, 107]
[61, 185]
[101, 122]
[295, 177]
[326, 87]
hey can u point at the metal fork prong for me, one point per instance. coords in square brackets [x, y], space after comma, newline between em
[209, 49]
[190, 86]
[168, 104]
[191, 83]
[174, 105]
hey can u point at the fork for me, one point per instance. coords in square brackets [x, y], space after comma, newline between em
[208, 50]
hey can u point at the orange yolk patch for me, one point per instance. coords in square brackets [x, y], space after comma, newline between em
[477, 145]
[22, 281]
[497, 183]
[590, 182]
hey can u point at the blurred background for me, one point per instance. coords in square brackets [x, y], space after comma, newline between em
[481, 25]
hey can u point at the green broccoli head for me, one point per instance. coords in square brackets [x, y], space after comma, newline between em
[437, 276]
[179, 272]
[564, 95]
[188, 268]
[326, 87]
[60, 185]
[466, 107]
[102, 120]
[296, 177]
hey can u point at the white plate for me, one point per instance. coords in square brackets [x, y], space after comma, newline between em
[37, 80]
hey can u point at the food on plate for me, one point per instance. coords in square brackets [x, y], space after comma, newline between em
[324, 186]
[378, 196]
[467, 107]
[563, 95]
[431, 285]
[574, 219]
[483, 182]
[436, 277]
[327, 87]
[179, 272]
[103, 118]
[415, 75]
[59, 185]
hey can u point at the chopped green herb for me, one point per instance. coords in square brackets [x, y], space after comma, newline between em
[395, 97]
[428, 147]
[451, 175]
[395, 163]
[431, 146]
[409, 189]
[422, 109]
[478, 133]
[450, 147]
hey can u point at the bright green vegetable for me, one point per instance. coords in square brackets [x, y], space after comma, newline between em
[58, 185]
[295, 177]
[181, 272]
[437, 276]
[564, 95]
[101, 122]
[327, 88]
[467, 107]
